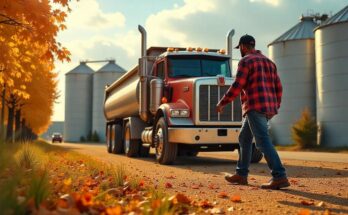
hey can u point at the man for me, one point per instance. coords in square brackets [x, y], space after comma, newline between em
[261, 90]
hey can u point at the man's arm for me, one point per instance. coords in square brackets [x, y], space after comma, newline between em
[279, 90]
[236, 87]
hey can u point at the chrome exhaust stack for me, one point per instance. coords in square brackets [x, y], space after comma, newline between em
[143, 100]
[229, 46]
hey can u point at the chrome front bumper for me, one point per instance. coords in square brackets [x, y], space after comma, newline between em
[204, 135]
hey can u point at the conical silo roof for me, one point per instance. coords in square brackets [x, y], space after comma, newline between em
[303, 30]
[81, 69]
[340, 16]
[112, 67]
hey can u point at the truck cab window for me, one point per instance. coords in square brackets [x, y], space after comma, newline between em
[191, 66]
[160, 70]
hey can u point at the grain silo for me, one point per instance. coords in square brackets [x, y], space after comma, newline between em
[293, 53]
[78, 103]
[105, 75]
[331, 49]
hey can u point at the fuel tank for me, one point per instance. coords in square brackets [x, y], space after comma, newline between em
[122, 97]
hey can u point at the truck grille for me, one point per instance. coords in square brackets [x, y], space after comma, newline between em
[209, 96]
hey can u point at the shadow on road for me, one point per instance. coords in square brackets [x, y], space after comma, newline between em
[209, 164]
[213, 165]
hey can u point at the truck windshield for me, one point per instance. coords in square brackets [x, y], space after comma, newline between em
[198, 67]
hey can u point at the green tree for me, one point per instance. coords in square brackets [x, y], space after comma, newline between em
[304, 131]
[95, 137]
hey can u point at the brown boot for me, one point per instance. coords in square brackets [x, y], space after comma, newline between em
[276, 184]
[236, 179]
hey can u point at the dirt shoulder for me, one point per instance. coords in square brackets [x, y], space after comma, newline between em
[317, 186]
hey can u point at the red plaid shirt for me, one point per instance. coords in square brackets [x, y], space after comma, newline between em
[259, 84]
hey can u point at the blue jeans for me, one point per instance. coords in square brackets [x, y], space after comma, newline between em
[255, 125]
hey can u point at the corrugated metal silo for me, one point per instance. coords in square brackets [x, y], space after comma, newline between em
[293, 53]
[78, 103]
[331, 49]
[105, 75]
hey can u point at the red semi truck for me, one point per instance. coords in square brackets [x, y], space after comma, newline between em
[168, 102]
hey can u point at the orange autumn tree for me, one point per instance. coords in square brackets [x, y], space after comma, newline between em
[37, 110]
[24, 26]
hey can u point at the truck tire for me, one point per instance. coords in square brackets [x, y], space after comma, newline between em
[118, 147]
[256, 155]
[165, 151]
[108, 139]
[131, 147]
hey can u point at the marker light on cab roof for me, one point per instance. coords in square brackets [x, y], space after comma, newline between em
[170, 49]
[222, 51]
[190, 49]
[206, 50]
[199, 49]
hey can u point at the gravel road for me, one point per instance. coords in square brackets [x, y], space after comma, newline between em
[319, 181]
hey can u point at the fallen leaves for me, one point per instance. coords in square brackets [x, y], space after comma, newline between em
[213, 187]
[196, 187]
[216, 211]
[304, 212]
[168, 185]
[236, 198]
[327, 212]
[180, 198]
[205, 204]
[307, 203]
[67, 182]
[223, 195]
[293, 181]
[321, 204]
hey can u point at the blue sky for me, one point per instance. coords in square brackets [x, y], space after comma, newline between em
[104, 29]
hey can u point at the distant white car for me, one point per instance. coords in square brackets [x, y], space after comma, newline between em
[57, 137]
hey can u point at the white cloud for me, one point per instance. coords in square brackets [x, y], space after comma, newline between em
[87, 14]
[271, 2]
[160, 26]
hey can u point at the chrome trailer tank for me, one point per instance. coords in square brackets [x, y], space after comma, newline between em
[122, 97]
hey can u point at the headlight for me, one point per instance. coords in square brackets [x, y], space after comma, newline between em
[184, 113]
[179, 113]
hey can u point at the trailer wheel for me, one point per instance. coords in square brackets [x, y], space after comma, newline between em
[108, 139]
[165, 151]
[118, 147]
[131, 147]
[256, 155]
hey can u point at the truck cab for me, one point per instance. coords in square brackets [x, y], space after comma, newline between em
[194, 80]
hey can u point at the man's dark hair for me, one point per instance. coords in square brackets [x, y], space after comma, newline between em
[249, 46]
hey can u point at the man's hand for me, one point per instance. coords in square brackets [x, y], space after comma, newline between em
[219, 108]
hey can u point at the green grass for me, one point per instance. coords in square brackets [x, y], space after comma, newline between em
[34, 174]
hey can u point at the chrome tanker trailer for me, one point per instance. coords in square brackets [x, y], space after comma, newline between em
[168, 102]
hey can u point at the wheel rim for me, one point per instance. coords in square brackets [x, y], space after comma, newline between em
[126, 141]
[159, 147]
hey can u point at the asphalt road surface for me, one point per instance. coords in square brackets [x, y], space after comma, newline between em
[317, 179]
